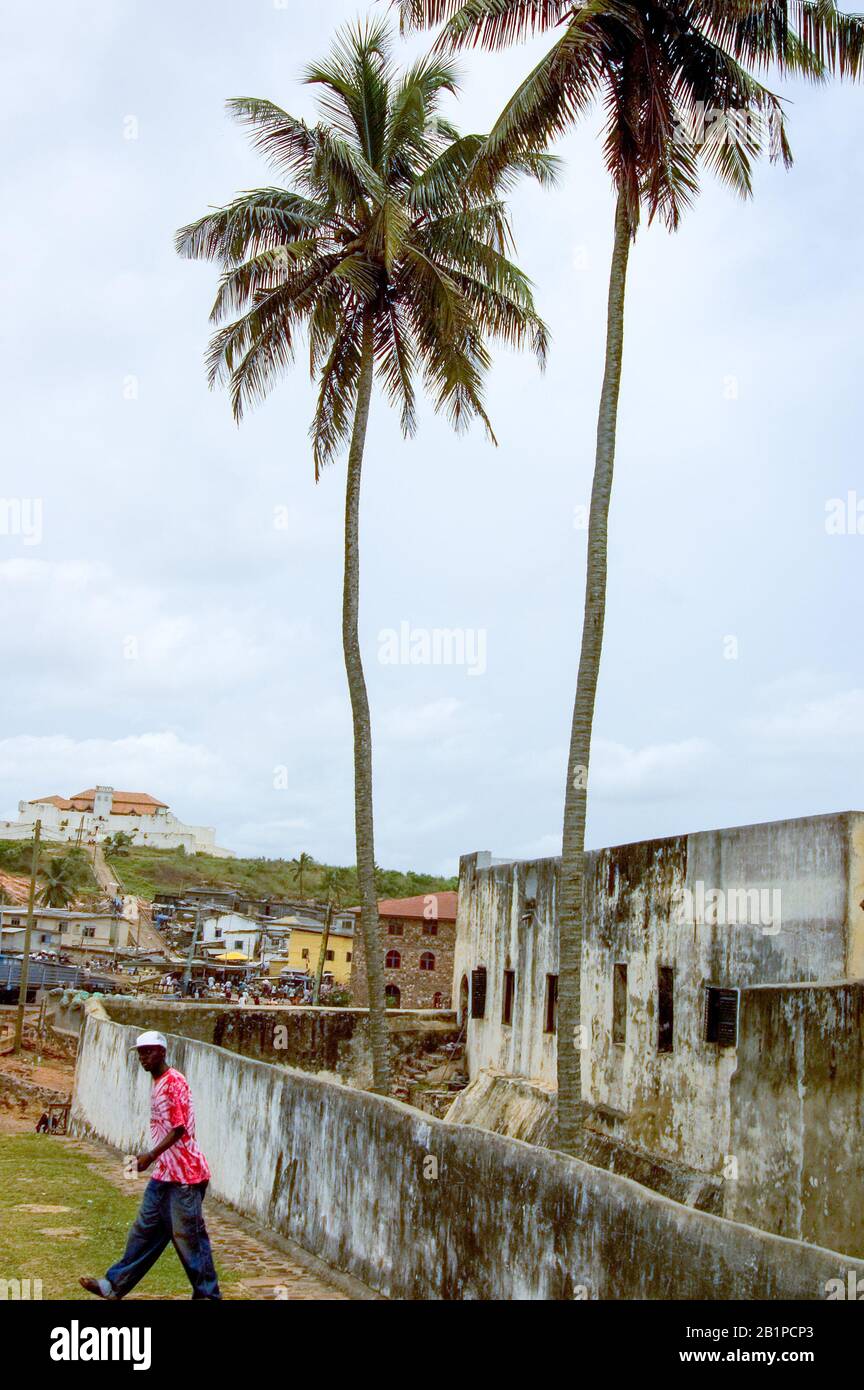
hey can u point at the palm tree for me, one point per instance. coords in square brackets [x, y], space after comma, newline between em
[393, 267]
[301, 866]
[676, 81]
[335, 886]
[58, 888]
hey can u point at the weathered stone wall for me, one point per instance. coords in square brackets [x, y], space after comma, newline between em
[508, 919]
[798, 1114]
[807, 873]
[332, 1041]
[524, 1109]
[421, 1209]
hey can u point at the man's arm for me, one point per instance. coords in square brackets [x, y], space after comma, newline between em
[170, 1139]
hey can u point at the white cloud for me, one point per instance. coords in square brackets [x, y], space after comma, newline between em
[653, 773]
[159, 763]
[407, 724]
[814, 725]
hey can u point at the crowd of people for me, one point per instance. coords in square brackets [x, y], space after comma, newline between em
[244, 990]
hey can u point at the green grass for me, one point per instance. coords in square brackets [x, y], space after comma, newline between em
[143, 871]
[38, 1170]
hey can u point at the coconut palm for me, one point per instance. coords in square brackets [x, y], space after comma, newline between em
[374, 246]
[676, 80]
[59, 882]
[301, 866]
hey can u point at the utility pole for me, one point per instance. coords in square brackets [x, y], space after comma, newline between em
[322, 954]
[187, 973]
[28, 931]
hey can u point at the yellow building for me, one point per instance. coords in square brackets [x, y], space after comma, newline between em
[304, 945]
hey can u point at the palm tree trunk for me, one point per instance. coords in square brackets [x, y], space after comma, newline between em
[571, 910]
[379, 1037]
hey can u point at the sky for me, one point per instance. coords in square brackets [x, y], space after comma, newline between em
[171, 583]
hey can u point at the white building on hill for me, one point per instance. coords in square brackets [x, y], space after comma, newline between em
[101, 811]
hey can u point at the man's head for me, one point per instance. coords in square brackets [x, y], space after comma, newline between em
[151, 1052]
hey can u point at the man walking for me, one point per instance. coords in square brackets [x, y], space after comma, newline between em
[171, 1209]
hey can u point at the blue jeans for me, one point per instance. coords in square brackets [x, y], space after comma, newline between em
[170, 1211]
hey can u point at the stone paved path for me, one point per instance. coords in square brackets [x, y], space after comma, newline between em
[266, 1271]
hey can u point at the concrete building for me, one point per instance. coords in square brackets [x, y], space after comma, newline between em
[722, 1011]
[289, 943]
[304, 946]
[98, 812]
[58, 929]
[231, 931]
[418, 936]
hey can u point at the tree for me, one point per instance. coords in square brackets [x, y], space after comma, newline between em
[336, 886]
[394, 268]
[301, 866]
[676, 81]
[118, 846]
[58, 888]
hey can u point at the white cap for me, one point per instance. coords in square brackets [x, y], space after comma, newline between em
[150, 1039]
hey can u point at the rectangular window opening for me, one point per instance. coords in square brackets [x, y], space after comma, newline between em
[721, 1016]
[478, 992]
[509, 994]
[665, 1008]
[619, 1003]
[551, 1024]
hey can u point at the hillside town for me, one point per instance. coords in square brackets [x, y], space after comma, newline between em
[696, 1002]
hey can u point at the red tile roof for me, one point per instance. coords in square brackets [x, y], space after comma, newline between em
[446, 902]
[124, 803]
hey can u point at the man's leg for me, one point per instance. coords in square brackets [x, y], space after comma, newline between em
[191, 1240]
[150, 1234]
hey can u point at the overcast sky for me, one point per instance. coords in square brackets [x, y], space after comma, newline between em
[171, 624]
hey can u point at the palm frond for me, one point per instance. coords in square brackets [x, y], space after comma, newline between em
[443, 180]
[279, 267]
[412, 126]
[395, 357]
[357, 79]
[331, 423]
[281, 139]
[256, 221]
[490, 23]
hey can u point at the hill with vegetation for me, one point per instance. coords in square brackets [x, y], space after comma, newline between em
[65, 874]
[149, 871]
[146, 872]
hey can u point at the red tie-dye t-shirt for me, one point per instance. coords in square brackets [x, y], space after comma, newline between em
[170, 1106]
